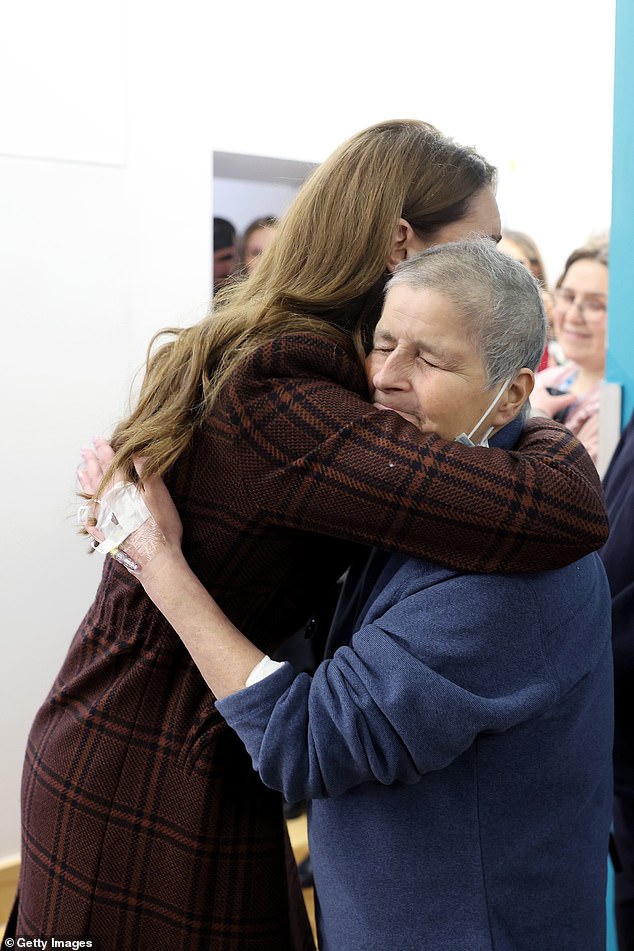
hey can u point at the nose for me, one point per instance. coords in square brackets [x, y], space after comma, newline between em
[391, 374]
[575, 310]
[576, 305]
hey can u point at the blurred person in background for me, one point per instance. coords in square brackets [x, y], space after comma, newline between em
[570, 392]
[256, 239]
[519, 246]
[225, 252]
[526, 250]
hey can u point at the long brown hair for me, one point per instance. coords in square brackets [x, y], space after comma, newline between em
[324, 273]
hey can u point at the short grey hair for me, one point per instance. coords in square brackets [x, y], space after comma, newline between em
[498, 297]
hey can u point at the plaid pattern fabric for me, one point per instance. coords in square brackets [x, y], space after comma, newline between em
[144, 823]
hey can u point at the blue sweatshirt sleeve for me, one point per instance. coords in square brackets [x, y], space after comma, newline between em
[411, 692]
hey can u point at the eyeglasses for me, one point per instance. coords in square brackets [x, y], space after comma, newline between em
[591, 307]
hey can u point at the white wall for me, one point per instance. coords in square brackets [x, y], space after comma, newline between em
[243, 201]
[106, 138]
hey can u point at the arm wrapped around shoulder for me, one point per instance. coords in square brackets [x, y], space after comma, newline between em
[322, 459]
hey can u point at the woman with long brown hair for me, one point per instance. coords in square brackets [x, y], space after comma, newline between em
[144, 824]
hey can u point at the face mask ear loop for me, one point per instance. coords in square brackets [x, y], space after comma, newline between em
[490, 410]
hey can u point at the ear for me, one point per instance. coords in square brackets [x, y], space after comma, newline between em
[515, 395]
[402, 244]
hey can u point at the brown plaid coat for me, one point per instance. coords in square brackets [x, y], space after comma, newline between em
[144, 823]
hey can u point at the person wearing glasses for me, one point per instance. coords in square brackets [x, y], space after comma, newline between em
[570, 392]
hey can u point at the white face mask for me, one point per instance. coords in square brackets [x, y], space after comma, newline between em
[484, 441]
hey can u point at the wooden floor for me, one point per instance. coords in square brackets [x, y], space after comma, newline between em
[298, 834]
[9, 871]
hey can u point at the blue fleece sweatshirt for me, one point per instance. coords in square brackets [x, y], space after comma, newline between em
[458, 752]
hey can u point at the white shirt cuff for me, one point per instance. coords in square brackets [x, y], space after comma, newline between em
[263, 669]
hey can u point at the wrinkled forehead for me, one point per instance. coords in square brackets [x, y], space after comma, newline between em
[428, 319]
